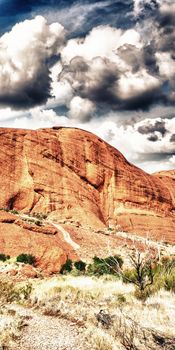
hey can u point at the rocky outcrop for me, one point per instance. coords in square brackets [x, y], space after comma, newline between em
[45, 243]
[72, 175]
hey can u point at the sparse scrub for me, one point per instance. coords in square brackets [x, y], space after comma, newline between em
[13, 211]
[170, 282]
[26, 259]
[141, 311]
[7, 291]
[135, 325]
[100, 340]
[11, 292]
[40, 216]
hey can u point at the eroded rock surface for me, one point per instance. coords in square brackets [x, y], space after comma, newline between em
[71, 174]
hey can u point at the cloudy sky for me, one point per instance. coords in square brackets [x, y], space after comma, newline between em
[105, 66]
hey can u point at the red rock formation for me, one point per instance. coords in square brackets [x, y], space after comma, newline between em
[73, 175]
[45, 243]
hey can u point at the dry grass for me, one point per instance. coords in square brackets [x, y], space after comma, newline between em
[135, 324]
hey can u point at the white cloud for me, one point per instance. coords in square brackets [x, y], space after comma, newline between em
[23, 55]
[133, 85]
[102, 41]
[166, 64]
[8, 114]
[167, 7]
[40, 118]
[81, 109]
[172, 160]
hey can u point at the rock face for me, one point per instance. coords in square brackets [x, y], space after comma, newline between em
[44, 243]
[71, 174]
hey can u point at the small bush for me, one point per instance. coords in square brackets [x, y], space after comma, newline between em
[14, 211]
[26, 259]
[67, 267]
[38, 223]
[24, 292]
[80, 265]
[109, 265]
[4, 257]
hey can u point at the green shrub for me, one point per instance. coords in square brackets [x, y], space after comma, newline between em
[26, 259]
[14, 211]
[109, 265]
[80, 265]
[67, 267]
[4, 257]
[114, 262]
[38, 223]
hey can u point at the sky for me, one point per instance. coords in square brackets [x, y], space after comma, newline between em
[104, 66]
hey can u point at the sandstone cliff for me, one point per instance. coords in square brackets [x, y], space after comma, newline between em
[71, 174]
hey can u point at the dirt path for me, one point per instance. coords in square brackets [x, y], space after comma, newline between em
[66, 235]
[49, 333]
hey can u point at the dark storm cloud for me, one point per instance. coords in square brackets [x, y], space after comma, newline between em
[165, 19]
[153, 138]
[158, 126]
[102, 85]
[150, 59]
[143, 101]
[88, 82]
[30, 94]
[165, 16]
[152, 157]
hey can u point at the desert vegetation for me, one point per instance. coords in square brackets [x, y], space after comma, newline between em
[4, 257]
[117, 306]
[110, 312]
